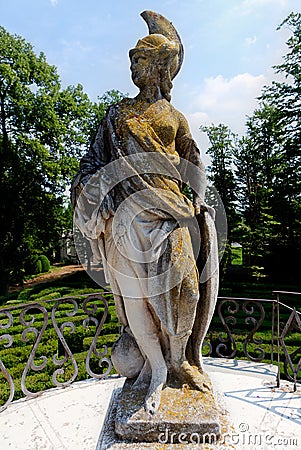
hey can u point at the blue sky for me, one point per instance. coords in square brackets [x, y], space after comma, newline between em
[230, 46]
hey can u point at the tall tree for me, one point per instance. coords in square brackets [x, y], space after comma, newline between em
[43, 131]
[221, 175]
[259, 176]
[275, 133]
[255, 170]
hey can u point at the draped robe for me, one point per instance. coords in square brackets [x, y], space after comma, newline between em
[131, 208]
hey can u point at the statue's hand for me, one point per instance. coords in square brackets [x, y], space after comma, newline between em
[201, 207]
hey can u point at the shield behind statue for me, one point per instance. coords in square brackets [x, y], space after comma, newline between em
[208, 266]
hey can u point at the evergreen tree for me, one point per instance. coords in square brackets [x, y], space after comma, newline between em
[274, 132]
[221, 175]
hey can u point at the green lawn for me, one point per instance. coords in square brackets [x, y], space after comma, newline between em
[236, 256]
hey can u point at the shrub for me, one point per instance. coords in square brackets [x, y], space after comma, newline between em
[36, 264]
[37, 267]
[45, 263]
[53, 295]
[24, 295]
[33, 265]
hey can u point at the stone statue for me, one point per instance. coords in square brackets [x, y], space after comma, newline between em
[129, 203]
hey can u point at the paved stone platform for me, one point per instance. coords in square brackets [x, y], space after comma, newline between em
[80, 417]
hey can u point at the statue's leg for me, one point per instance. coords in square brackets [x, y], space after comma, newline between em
[181, 367]
[178, 345]
[144, 376]
[146, 335]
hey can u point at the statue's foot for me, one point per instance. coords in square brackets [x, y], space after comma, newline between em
[144, 377]
[152, 401]
[192, 376]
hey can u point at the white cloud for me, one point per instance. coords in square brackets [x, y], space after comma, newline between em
[227, 101]
[54, 2]
[251, 40]
[248, 6]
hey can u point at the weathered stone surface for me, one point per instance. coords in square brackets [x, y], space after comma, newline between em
[132, 364]
[130, 206]
[183, 412]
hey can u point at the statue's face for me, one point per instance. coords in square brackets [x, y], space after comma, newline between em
[143, 69]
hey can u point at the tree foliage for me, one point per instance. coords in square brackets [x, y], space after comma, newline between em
[222, 142]
[44, 129]
[285, 98]
[260, 173]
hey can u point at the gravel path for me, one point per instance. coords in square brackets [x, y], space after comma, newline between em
[53, 275]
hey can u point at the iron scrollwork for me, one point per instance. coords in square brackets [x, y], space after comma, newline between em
[34, 317]
[38, 336]
[3, 369]
[249, 310]
[97, 317]
[227, 344]
[67, 352]
[291, 370]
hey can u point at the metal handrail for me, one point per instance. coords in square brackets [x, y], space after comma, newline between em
[94, 313]
[293, 318]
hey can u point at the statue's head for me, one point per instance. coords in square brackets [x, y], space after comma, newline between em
[154, 60]
[158, 56]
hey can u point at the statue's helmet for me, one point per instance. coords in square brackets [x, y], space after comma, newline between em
[163, 43]
[159, 48]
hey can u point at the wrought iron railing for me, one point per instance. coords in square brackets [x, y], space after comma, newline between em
[292, 359]
[250, 319]
[71, 337]
[244, 317]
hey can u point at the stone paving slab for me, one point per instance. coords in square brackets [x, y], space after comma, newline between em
[59, 419]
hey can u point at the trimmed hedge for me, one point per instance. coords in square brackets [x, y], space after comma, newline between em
[45, 263]
[37, 264]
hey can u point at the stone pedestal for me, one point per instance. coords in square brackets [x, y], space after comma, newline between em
[185, 416]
